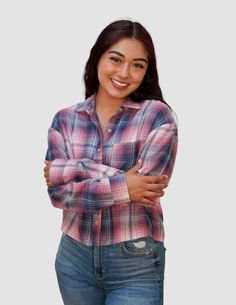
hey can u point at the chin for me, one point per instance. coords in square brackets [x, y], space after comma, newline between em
[118, 94]
[121, 94]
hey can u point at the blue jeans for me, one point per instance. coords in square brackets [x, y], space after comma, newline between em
[127, 273]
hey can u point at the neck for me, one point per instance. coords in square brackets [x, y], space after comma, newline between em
[107, 103]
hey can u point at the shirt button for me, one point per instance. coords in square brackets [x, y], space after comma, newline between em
[109, 130]
[120, 109]
[99, 149]
[96, 222]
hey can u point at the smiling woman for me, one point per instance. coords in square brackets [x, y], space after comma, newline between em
[108, 161]
[122, 67]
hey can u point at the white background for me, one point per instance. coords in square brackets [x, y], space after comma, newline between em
[44, 47]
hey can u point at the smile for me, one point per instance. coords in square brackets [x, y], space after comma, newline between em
[119, 84]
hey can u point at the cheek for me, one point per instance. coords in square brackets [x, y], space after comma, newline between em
[138, 78]
[104, 70]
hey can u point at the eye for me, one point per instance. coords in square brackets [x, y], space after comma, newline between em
[139, 66]
[115, 59]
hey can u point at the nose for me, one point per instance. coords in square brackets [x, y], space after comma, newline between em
[124, 71]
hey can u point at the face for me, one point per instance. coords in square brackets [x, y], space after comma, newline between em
[122, 68]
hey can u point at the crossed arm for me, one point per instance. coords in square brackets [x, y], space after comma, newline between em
[85, 184]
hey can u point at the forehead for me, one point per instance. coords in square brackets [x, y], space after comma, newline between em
[129, 47]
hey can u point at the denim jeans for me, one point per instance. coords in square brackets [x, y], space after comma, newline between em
[127, 273]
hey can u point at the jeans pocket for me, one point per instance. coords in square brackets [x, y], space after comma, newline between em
[160, 251]
[144, 246]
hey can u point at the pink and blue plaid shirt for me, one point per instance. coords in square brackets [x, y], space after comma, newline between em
[87, 172]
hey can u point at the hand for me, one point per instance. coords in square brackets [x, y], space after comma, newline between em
[145, 189]
[46, 172]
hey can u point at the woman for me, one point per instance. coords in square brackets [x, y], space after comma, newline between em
[108, 161]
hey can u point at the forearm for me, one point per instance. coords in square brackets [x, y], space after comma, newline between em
[63, 171]
[91, 194]
[159, 152]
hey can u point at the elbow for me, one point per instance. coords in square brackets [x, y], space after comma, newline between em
[57, 200]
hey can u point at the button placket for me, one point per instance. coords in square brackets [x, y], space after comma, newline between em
[96, 219]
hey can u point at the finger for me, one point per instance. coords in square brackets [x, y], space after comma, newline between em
[154, 195]
[48, 164]
[46, 168]
[151, 195]
[148, 201]
[46, 176]
[153, 179]
[48, 182]
[160, 194]
[136, 167]
[156, 179]
[156, 187]
[46, 172]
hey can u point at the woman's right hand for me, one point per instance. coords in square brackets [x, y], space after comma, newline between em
[145, 189]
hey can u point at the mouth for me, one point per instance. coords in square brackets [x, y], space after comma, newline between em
[119, 85]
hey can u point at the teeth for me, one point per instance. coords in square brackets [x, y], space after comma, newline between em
[119, 84]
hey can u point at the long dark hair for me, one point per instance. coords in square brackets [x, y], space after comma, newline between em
[149, 88]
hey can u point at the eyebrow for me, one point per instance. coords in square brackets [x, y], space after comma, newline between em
[122, 55]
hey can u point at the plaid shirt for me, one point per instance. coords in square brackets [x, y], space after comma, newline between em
[87, 171]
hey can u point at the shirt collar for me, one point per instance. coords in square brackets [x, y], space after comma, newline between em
[89, 104]
[131, 104]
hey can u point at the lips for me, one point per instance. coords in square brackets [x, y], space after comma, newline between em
[119, 85]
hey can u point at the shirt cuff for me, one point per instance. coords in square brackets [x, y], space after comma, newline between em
[119, 189]
[56, 172]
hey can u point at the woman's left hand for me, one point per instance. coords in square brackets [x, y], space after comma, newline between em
[46, 172]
